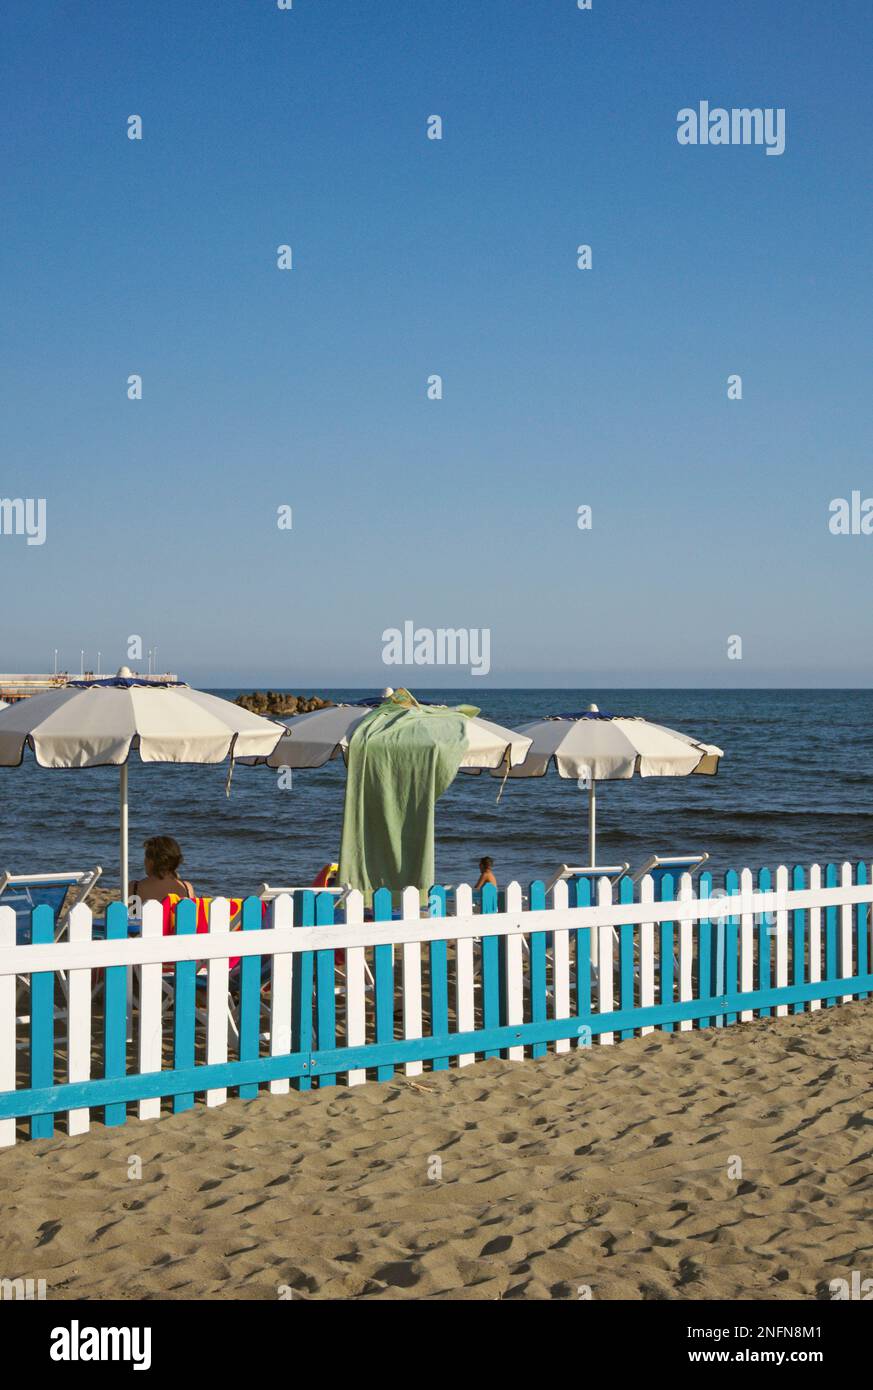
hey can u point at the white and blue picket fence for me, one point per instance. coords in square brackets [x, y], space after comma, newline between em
[296, 998]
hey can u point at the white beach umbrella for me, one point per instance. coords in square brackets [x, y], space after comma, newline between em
[99, 723]
[595, 747]
[313, 739]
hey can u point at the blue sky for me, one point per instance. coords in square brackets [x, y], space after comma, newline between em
[562, 387]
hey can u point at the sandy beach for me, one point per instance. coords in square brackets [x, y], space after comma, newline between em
[612, 1169]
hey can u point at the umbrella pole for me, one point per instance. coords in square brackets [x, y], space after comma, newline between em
[592, 836]
[122, 808]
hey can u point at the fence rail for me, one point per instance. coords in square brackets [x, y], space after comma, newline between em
[104, 1019]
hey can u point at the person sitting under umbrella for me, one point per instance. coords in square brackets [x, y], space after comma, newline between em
[162, 857]
[486, 873]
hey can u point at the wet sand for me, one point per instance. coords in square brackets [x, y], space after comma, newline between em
[733, 1163]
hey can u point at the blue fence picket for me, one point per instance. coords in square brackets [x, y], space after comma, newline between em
[383, 972]
[666, 962]
[798, 939]
[502, 965]
[862, 914]
[439, 977]
[115, 1014]
[718, 962]
[302, 987]
[325, 998]
[490, 969]
[832, 969]
[766, 929]
[250, 997]
[42, 1021]
[731, 944]
[582, 888]
[704, 948]
[626, 953]
[538, 998]
[184, 991]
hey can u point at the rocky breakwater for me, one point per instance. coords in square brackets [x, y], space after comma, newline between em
[279, 702]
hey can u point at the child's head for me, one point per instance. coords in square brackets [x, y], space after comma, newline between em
[486, 863]
[162, 856]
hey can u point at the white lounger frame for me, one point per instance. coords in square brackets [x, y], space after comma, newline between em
[83, 881]
[613, 872]
[691, 864]
[268, 894]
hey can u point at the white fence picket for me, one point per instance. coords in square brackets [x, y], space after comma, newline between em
[465, 997]
[561, 963]
[515, 972]
[150, 1007]
[605, 961]
[356, 987]
[79, 1020]
[815, 935]
[781, 936]
[281, 993]
[647, 954]
[686, 951]
[7, 1023]
[847, 913]
[218, 996]
[747, 942]
[412, 1026]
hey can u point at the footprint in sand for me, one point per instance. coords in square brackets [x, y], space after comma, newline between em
[300, 1282]
[400, 1275]
[47, 1232]
[498, 1246]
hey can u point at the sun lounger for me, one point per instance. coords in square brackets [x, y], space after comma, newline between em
[269, 894]
[593, 873]
[24, 892]
[61, 892]
[659, 866]
[339, 895]
[168, 975]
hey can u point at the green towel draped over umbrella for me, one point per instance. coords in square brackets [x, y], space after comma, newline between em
[401, 759]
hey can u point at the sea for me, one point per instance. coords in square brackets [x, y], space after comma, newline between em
[794, 787]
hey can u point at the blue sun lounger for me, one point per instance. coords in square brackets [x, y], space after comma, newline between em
[24, 892]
